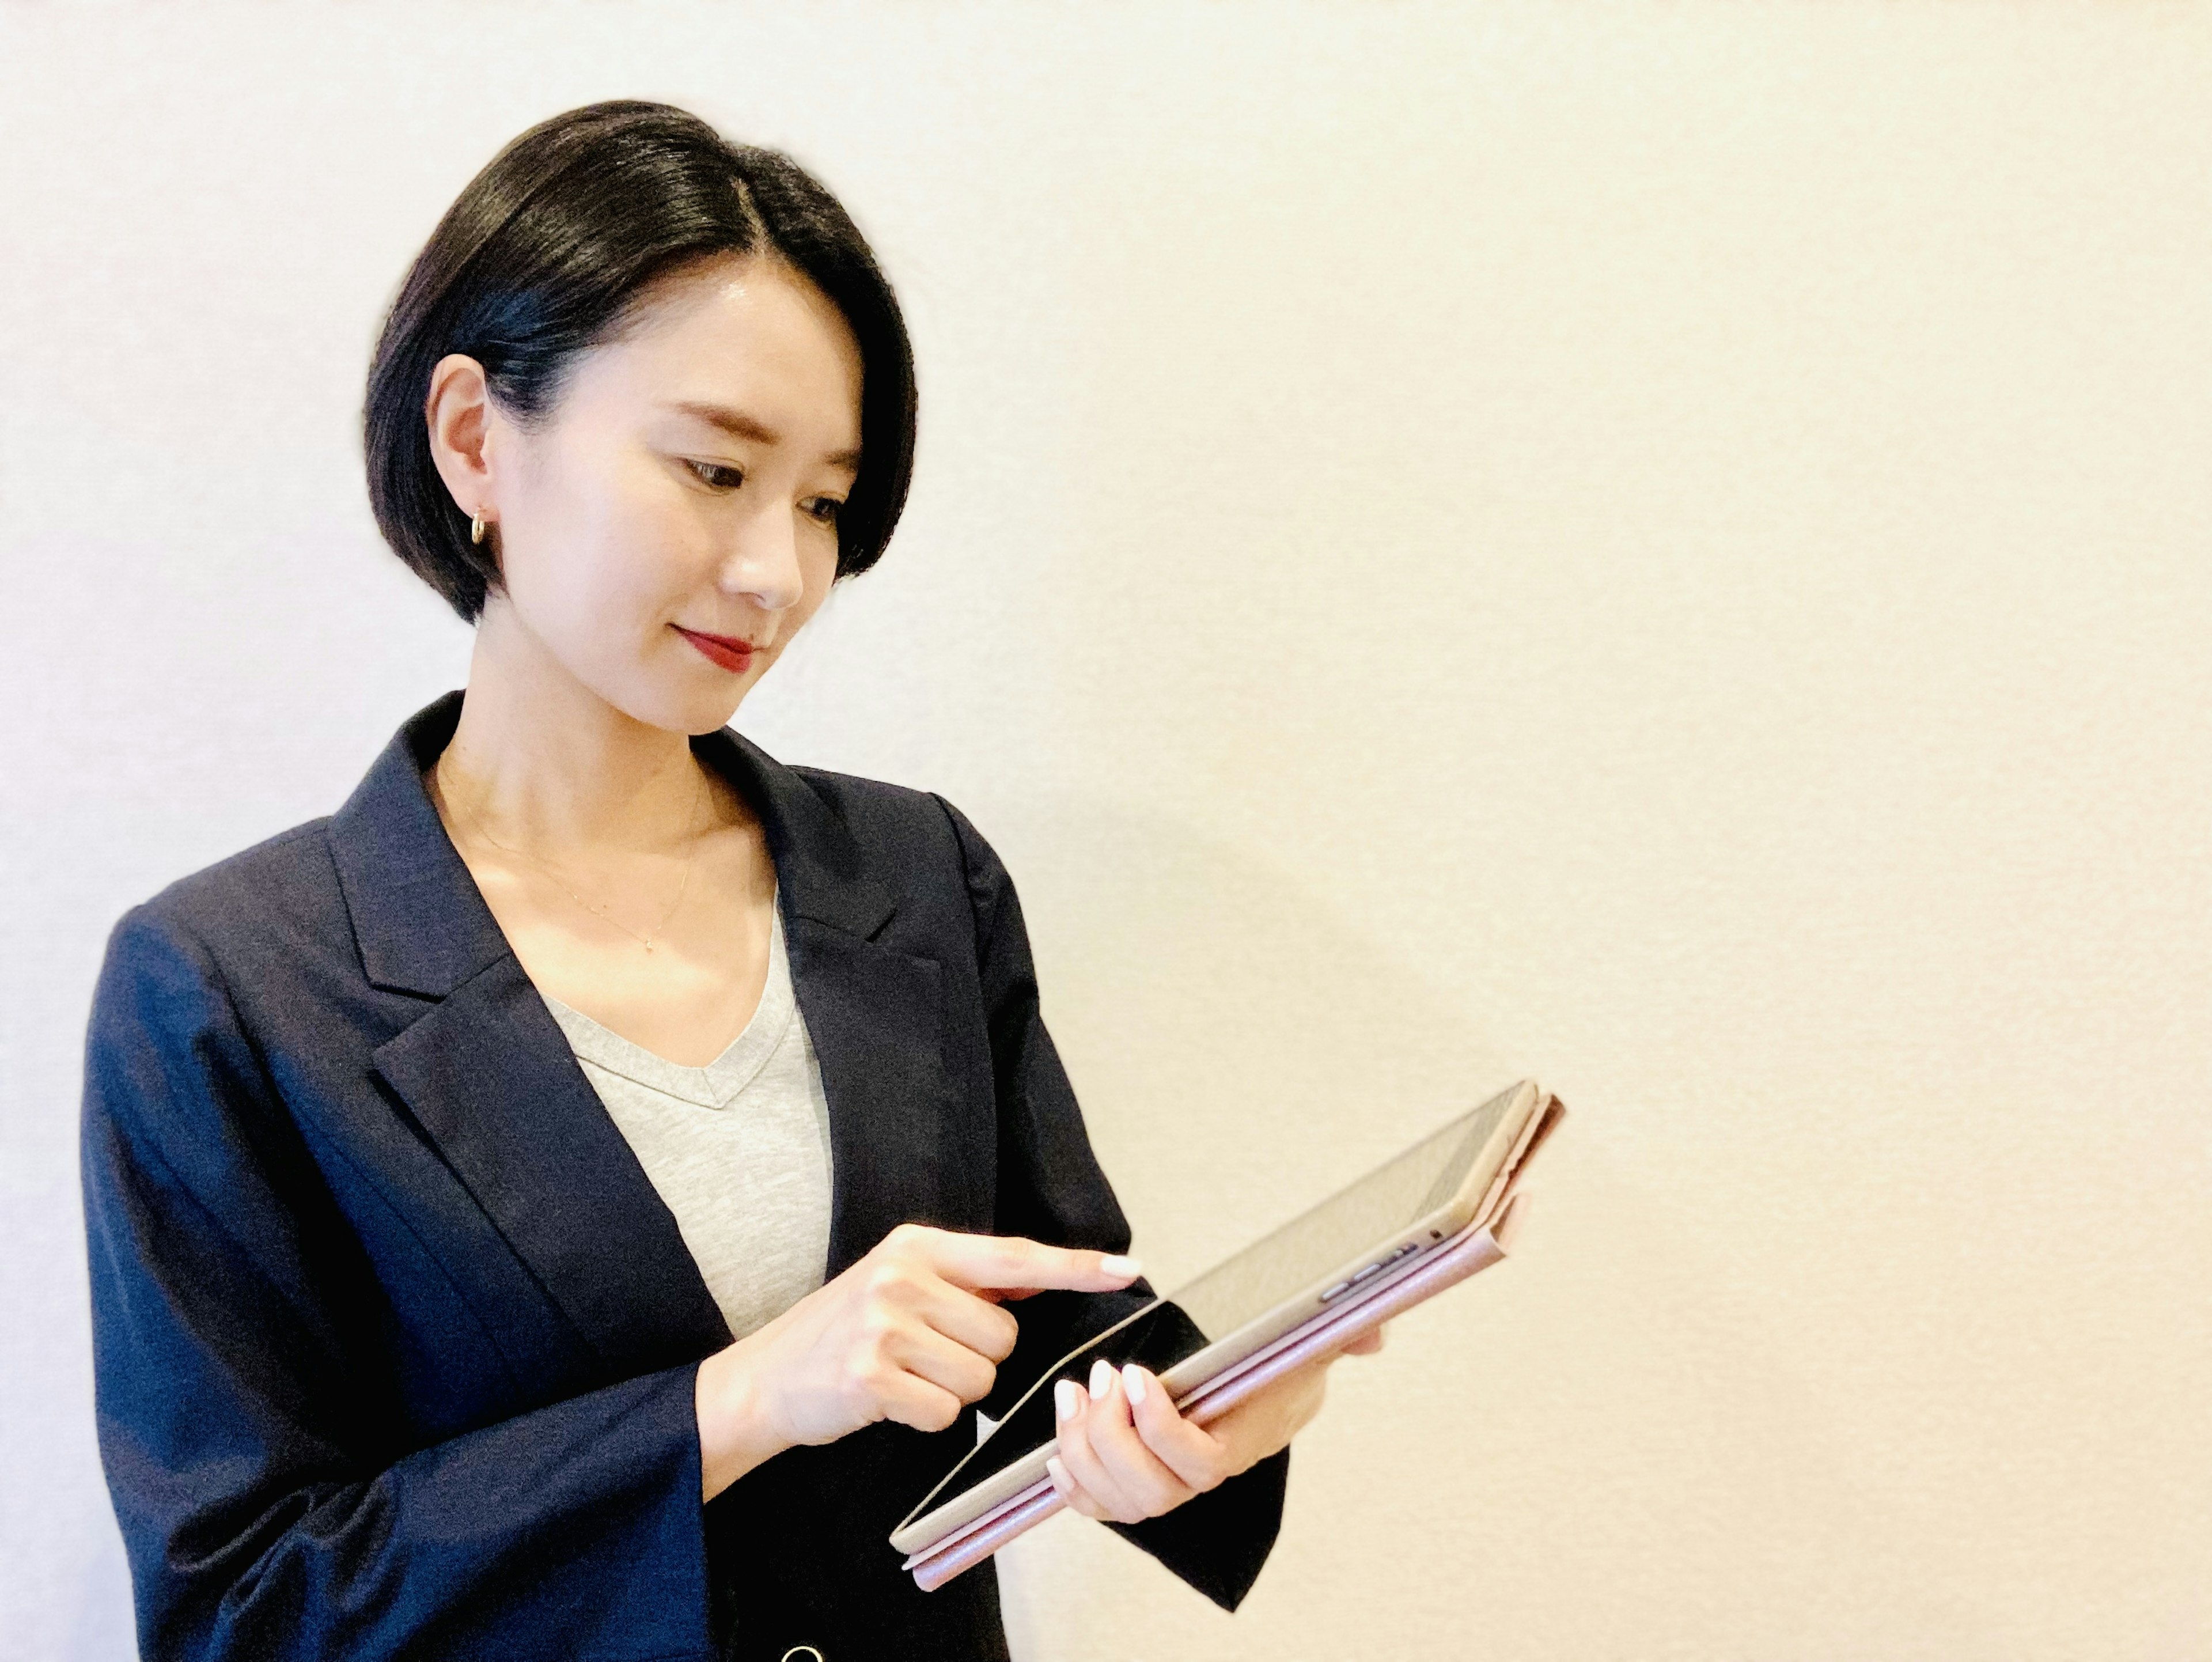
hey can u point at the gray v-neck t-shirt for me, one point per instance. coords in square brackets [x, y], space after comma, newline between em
[738, 1149]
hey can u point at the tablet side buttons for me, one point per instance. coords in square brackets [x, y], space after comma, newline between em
[1375, 1268]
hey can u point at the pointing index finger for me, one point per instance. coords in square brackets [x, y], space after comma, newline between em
[1014, 1263]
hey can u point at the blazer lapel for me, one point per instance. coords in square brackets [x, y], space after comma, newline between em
[876, 1013]
[491, 1081]
[490, 1077]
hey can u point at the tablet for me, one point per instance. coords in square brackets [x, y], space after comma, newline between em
[1474, 1249]
[1363, 1239]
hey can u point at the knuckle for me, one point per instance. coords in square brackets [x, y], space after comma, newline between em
[1022, 1260]
[890, 1278]
[876, 1326]
[867, 1374]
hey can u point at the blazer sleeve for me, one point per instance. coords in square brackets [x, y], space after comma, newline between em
[1050, 1188]
[270, 1503]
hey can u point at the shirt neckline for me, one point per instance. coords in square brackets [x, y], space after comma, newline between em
[715, 1085]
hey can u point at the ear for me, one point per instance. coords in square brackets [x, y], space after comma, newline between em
[459, 416]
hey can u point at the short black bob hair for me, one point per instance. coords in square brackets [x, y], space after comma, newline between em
[551, 249]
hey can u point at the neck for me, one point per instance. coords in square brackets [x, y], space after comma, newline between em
[541, 761]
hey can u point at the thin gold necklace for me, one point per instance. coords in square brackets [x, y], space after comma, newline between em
[601, 912]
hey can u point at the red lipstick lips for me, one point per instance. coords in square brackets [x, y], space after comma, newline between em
[728, 652]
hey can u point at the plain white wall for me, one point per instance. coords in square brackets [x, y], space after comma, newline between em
[1664, 547]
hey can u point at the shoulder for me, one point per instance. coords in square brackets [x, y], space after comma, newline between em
[923, 849]
[169, 1055]
[265, 920]
[886, 820]
[903, 831]
[275, 890]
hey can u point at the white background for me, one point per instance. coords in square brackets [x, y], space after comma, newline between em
[1667, 547]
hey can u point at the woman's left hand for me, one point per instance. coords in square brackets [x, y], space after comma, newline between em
[1126, 1454]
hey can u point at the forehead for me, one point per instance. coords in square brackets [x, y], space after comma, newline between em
[747, 330]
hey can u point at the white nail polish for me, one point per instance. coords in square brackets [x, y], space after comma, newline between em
[1065, 1396]
[1101, 1376]
[1133, 1380]
[1115, 1264]
[1058, 1473]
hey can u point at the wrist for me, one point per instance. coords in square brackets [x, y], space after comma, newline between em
[736, 1430]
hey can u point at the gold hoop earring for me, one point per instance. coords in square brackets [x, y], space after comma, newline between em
[476, 524]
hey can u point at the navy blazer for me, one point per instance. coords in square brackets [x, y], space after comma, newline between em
[394, 1341]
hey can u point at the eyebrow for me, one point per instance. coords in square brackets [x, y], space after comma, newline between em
[741, 425]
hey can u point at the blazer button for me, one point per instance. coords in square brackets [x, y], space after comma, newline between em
[799, 1653]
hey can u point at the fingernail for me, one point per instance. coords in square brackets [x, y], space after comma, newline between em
[1065, 1397]
[1133, 1378]
[1058, 1473]
[1115, 1264]
[1101, 1376]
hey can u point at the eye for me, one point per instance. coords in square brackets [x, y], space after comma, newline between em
[716, 475]
[823, 509]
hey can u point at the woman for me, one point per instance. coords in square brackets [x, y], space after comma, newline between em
[564, 1203]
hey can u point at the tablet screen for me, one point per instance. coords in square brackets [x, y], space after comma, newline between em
[1244, 1288]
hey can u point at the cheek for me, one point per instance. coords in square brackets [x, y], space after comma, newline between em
[601, 558]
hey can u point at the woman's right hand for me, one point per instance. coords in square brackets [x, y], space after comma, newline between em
[913, 1332]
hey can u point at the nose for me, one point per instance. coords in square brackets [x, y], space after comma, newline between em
[760, 563]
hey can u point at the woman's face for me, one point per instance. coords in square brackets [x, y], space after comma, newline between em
[672, 522]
